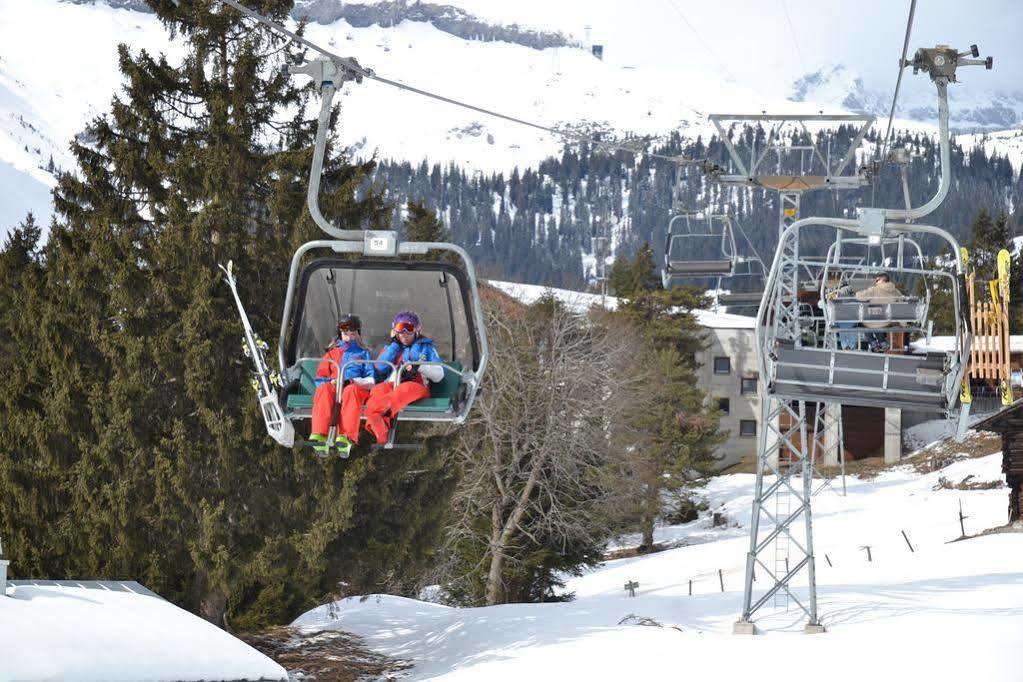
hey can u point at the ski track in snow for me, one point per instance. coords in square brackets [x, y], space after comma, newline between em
[945, 611]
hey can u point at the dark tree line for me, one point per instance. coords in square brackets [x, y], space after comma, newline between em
[536, 225]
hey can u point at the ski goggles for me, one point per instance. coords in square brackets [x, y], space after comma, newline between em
[348, 326]
[404, 328]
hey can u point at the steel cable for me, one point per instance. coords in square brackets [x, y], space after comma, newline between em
[362, 72]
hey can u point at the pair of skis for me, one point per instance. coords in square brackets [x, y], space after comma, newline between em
[264, 380]
[266, 383]
[1003, 297]
[1000, 293]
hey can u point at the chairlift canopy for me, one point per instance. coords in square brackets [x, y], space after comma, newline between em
[375, 290]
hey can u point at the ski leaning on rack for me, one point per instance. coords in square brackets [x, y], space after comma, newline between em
[1005, 387]
[264, 379]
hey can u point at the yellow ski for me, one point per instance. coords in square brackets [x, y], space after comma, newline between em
[965, 397]
[1003, 289]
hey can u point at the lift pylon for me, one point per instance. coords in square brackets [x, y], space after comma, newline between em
[795, 372]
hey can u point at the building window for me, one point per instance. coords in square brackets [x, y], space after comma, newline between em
[748, 428]
[724, 404]
[748, 385]
[722, 365]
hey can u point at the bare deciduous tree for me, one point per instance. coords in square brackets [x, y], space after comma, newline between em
[535, 454]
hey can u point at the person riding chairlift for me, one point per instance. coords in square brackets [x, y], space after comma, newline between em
[357, 380]
[883, 291]
[407, 348]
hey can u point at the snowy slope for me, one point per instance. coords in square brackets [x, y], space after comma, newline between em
[47, 95]
[69, 633]
[942, 612]
[58, 69]
[969, 108]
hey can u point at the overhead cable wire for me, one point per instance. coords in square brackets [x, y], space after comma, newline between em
[703, 42]
[795, 40]
[749, 242]
[363, 72]
[898, 81]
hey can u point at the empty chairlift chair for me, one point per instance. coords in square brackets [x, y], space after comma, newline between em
[698, 247]
[749, 276]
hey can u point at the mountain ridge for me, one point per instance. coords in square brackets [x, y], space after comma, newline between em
[840, 85]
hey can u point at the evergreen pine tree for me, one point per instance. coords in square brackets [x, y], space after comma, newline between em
[630, 277]
[157, 465]
[29, 476]
[669, 433]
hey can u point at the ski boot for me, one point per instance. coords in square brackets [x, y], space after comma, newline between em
[343, 446]
[318, 441]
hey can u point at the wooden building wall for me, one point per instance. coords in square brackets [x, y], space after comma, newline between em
[862, 428]
[1012, 462]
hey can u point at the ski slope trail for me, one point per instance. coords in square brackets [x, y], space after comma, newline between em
[945, 610]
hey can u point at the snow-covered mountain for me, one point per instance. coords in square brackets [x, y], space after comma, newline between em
[970, 110]
[841, 86]
[545, 75]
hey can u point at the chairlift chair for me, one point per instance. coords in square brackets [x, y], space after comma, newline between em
[698, 247]
[749, 274]
[443, 293]
[903, 260]
[374, 275]
[927, 382]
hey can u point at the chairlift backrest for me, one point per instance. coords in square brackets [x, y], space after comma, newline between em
[375, 290]
[699, 247]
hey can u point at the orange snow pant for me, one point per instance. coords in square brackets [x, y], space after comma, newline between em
[353, 397]
[385, 401]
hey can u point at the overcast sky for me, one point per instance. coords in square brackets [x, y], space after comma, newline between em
[751, 41]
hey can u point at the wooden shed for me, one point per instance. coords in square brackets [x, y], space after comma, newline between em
[1009, 424]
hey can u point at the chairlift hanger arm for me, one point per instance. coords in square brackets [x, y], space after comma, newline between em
[940, 63]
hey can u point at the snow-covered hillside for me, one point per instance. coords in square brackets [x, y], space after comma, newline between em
[48, 95]
[580, 302]
[944, 611]
[58, 69]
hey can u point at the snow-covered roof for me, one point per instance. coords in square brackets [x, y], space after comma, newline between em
[61, 632]
[944, 344]
[713, 320]
[580, 302]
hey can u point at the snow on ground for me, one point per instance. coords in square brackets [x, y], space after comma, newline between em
[944, 344]
[71, 633]
[942, 612]
[580, 302]
[927, 433]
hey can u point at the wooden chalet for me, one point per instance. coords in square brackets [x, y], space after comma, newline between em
[1009, 424]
